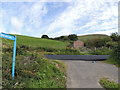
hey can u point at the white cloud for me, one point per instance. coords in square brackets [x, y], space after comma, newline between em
[64, 31]
[2, 29]
[92, 23]
[111, 11]
[33, 14]
[27, 21]
[84, 16]
[16, 22]
[64, 20]
[52, 0]
[15, 32]
[36, 12]
[96, 10]
[108, 32]
[36, 0]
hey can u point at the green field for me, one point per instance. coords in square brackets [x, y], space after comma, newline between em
[38, 42]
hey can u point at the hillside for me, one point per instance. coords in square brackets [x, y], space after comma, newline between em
[38, 42]
[32, 70]
[85, 38]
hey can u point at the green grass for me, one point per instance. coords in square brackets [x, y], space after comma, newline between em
[111, 61]
[108, 85]
[38, 42]
[82, 51]
[86, 38]
[32, 69]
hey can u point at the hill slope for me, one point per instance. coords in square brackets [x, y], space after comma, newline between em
[38, 42]
[85, 38]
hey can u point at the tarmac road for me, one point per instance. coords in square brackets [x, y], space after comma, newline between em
[85, 74]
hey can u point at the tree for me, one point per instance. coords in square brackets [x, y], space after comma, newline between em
[45, 36]
[73, 37]
[62, 37]
[115, 36]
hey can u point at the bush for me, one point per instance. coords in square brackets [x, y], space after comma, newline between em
[115, 55]
[111, 44]
[101, 51]
[64, 52]
[46, 49]
[24, 47]
[21, 51]
[9, 50]
[82, 51]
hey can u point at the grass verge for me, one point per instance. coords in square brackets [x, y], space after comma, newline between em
[109, 85]
[32, 71]
[113, 62]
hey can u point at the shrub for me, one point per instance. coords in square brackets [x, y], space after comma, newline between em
[115, 55]
[9, 50]
[101, 51]
[46, 49]
[21, 51]
[65, 52]
[111, 44]
[24, 47]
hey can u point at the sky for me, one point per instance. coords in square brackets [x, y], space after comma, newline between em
[59, 18]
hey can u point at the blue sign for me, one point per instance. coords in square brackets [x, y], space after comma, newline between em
[7, 36]
[11, 37]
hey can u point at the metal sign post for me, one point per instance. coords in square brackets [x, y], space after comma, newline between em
[11, 37]
[14, 57]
